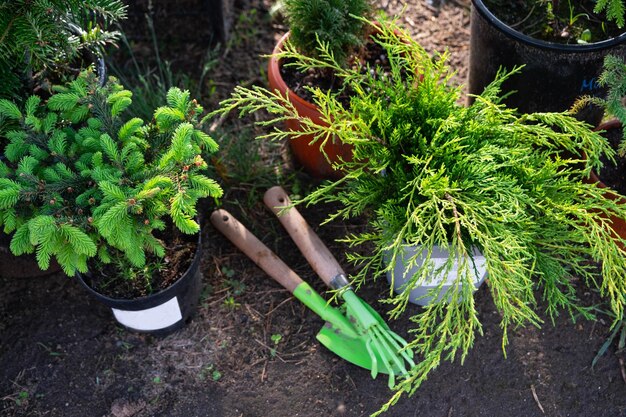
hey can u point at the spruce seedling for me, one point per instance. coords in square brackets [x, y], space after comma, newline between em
[614, 9]
[81, 182]
[613, 77]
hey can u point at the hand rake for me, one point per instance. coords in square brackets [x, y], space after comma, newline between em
[381, 342]
[339, 334]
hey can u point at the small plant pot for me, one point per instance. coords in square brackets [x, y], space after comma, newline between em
[160, 313]
[554, 74]
[422, 294]
[308, 155]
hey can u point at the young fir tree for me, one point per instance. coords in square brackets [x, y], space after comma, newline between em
[429, 172]
[333, 22]
[41, 39]
[83, 182]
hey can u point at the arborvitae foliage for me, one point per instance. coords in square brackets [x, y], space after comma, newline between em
[427, 171]
[331, 21]
[83, 182]
[39, 38]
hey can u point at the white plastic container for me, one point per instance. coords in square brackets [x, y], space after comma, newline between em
[438, 258]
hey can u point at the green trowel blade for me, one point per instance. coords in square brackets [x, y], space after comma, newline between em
[339, 335]
[354, 350]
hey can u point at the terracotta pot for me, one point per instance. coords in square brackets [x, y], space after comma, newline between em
[618, 224]
[306, 154]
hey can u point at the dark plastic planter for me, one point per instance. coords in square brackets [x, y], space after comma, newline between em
[160, 313]
[554, 75]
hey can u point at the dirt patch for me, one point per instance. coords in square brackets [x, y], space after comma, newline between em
[111, 280]
[250, 349]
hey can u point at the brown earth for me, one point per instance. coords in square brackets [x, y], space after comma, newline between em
[61, 353]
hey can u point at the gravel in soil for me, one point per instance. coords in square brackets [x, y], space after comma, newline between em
[250, 349]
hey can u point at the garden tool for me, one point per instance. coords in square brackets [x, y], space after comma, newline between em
[338, 334]
[381, 342]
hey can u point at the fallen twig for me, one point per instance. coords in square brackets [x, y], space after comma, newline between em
[532, 388]
[281, 303]
[263, 372]
[622, 369]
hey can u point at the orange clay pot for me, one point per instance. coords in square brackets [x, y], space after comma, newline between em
[618, 224]
[308, 155]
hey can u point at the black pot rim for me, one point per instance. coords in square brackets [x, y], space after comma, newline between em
[147, 301]
[573, 48]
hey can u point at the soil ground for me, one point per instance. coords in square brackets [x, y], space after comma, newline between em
[62, 354]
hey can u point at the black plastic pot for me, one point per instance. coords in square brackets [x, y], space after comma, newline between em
[160, 313]
[554, 74]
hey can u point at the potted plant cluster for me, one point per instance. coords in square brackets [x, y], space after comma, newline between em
[561, 43]
[335, 23]
[480, 186]
[112, 200]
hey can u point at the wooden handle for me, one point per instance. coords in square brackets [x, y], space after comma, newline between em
[313, 249]
[255, 249]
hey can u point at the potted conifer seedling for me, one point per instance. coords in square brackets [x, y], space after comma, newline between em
[112, 200]
[335, 23]
[480, 186]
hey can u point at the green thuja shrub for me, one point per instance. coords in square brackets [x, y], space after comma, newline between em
[41, 39]
[331, 21]
[427, 171]
[81, 182]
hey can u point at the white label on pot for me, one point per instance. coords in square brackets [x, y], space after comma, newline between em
[154, 318]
